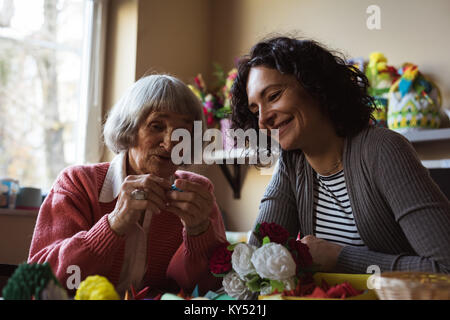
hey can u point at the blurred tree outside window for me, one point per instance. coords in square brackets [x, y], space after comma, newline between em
[41, 59]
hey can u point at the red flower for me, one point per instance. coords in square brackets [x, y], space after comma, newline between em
[220, 261]
[300, 253]
[342, 291]
[275, 232]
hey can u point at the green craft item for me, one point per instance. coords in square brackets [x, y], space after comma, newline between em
[28, 282]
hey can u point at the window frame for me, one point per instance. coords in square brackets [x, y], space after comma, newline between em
[90, 119]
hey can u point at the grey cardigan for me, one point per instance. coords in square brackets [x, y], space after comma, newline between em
[401, 214]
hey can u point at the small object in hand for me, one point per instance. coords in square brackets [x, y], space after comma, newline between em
[175, 188]
[139, 194]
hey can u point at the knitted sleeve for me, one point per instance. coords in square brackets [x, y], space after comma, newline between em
[419, 207]
[278, 203]
[66, 233]
[190, 264]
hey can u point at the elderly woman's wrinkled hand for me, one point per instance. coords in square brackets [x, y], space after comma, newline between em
[193, 206]
[128, 210]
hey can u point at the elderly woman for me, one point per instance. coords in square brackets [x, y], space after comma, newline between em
[358, 195]
[124, 220]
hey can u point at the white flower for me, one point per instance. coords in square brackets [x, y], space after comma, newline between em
[53, 292]
[235, 287]
[273, 261]
[241, 259]
[289, 284]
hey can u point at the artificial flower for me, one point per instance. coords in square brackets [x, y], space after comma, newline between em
[220, 261]
[216, 102]
[273, 267]
[275, 232]
[235, 287]
[53, 291]
[275, 286]
[300, 254]
[241, 259]
[274, 261]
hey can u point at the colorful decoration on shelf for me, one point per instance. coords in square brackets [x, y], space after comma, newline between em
[216, 103]
[414, 101]
[381, 76]
[96, 288]
[34, 282]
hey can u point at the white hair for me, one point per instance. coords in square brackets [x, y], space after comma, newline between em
[148, 94]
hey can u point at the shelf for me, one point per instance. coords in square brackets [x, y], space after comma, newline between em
[236, 158]
[416, 136]
[436, 164]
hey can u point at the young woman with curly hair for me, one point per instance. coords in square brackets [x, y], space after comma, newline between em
[358, 195]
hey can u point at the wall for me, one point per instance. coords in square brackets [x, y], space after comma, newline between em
[16, 231]
[120, 56]
[411, 30]
[173, 37]
[155, 36]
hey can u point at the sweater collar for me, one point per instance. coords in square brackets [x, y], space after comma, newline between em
[115, 176]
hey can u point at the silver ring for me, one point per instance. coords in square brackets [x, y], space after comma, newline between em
[139, 194]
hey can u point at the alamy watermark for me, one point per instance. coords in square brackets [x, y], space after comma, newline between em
[373, 282]
[252, 146]
[373, 21]
[73, 281]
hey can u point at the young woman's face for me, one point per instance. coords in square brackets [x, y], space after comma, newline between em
[152, 153]
[281, 103]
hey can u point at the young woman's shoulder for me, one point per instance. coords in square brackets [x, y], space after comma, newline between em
[375, 139]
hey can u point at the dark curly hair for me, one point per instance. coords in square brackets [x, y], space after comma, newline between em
[340, 88]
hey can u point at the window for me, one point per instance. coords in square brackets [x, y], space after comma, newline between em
[50, 87]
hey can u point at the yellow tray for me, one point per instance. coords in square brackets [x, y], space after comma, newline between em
[358, 281]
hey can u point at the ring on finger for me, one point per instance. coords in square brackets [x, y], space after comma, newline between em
[138, 194]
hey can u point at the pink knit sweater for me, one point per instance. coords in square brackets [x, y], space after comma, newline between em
[72, 229]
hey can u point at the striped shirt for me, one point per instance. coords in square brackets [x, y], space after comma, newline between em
[333, 217]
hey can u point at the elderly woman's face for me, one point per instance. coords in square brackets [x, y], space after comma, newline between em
[154, 146]
[281, 103]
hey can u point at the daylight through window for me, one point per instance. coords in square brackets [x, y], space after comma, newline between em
[41, 58]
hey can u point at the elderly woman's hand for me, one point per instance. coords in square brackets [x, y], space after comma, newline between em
[193, 206]
[324, 253]
[128, 211]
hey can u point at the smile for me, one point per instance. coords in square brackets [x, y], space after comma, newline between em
[282, 125]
